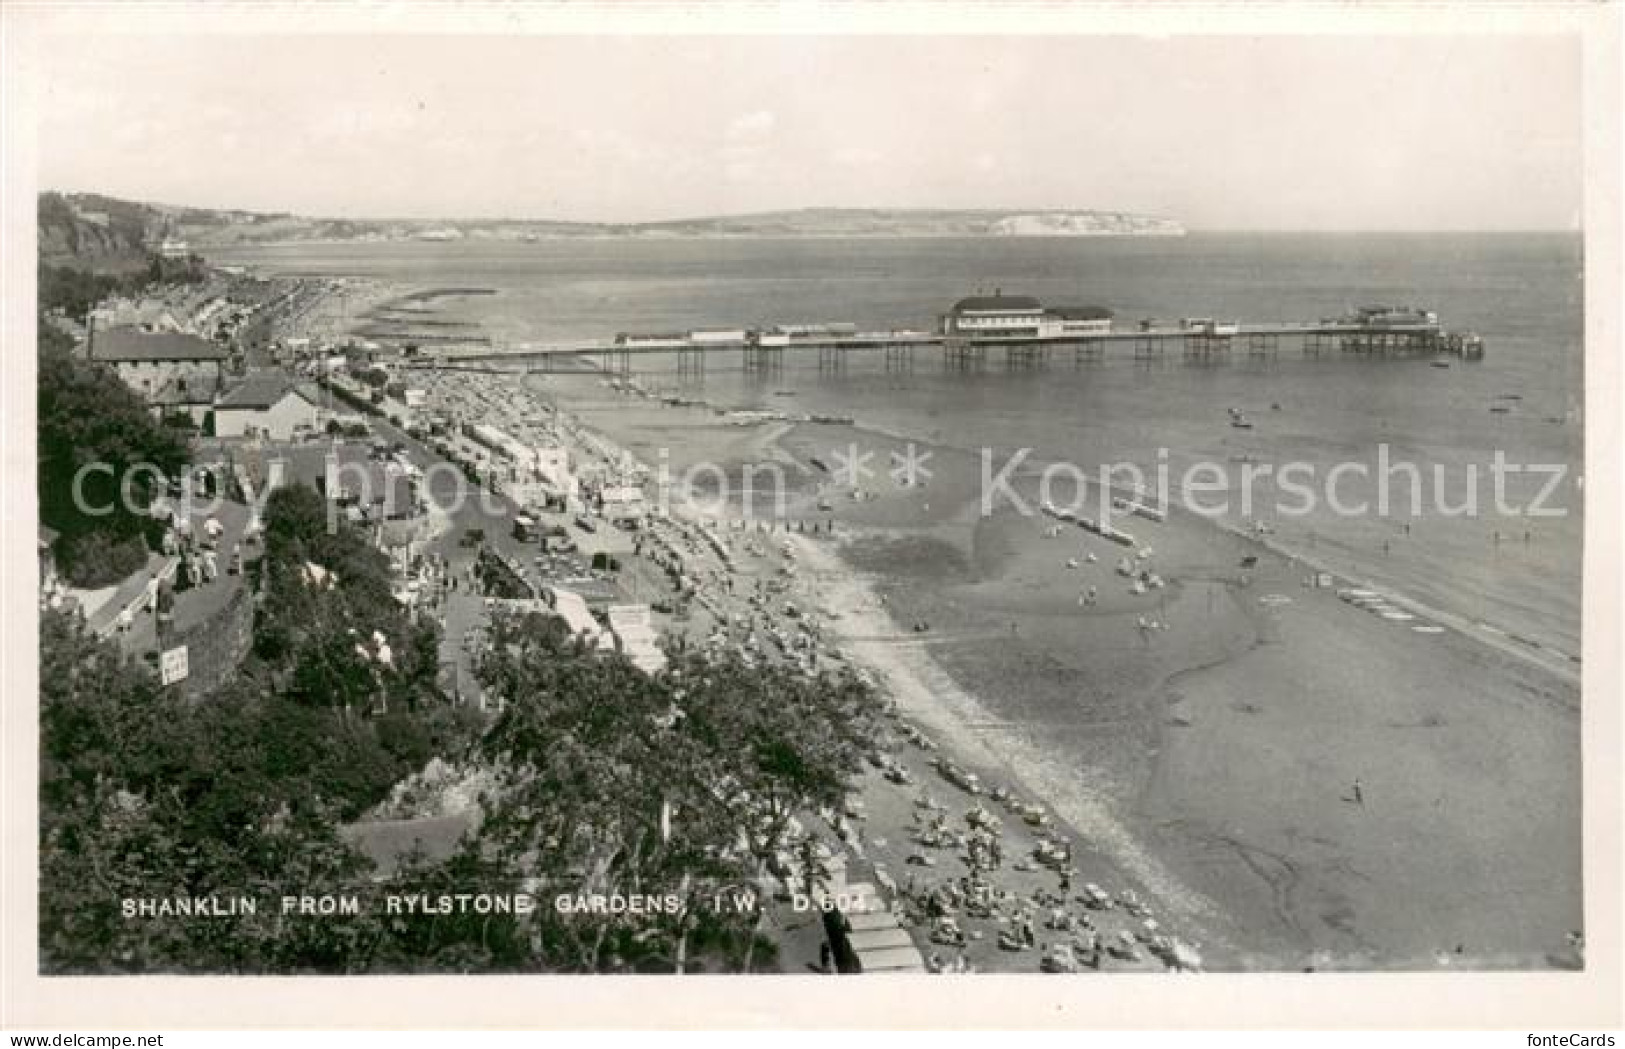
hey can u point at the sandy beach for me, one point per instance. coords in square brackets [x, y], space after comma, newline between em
[1213, 761]
[1296, 781]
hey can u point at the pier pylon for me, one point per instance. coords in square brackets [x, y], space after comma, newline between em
[691, 362]
[1023, 355]
[963, 355]
[763, 359]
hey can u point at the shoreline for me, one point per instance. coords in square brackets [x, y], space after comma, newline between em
[1151, 798]
[1286, 901]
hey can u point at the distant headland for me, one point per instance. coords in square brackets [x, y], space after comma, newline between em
[73, 223]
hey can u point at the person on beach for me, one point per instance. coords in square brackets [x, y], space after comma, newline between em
[1359, 795]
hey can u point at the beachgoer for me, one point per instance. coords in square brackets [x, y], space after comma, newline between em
[1359, 795]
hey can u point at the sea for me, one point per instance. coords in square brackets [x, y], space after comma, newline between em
[1509, 560]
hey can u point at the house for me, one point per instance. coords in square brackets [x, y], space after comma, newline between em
[148, 314]
[193, 398]
[172, 371]
[270, 404]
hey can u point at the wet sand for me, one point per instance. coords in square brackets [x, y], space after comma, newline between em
[1213, 761]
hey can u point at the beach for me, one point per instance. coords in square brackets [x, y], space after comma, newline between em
[1213, 761]
[1298, 777]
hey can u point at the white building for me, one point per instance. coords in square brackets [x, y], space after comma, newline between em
[1018, 316]
[572, 608]
[1080, 320]
[623, 502]
[995, 316]
[268, 404]
[636, 637]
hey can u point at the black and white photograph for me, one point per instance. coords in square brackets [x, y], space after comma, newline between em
[840, 502]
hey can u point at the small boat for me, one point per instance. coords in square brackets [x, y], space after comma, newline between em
[1439, 364]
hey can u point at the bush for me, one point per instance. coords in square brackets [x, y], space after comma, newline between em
[97, 559]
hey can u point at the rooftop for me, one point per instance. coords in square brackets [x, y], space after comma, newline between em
[1081, 313]
[263, 389]
[176, 392]
[998, 303]
[132, 344]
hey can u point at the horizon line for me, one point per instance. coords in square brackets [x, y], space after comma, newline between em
[720, 216]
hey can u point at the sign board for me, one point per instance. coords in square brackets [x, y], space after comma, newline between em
[173, 666]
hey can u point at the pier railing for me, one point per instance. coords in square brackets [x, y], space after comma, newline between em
[971, 351]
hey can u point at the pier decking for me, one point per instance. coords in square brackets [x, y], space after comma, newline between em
[898, 349]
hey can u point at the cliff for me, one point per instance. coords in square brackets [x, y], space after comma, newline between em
[88, 226]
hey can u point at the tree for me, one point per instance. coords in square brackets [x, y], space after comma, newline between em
[616, 782]
[144, 796]
[87, 417]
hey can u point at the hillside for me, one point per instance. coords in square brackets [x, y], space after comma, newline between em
[92, 229]
[94, 233]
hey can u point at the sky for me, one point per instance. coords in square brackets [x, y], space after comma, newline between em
[1270, 133]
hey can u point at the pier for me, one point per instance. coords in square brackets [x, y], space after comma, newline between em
[959, 352]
